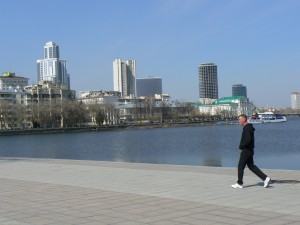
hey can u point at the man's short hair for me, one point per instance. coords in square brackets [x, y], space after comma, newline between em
[244, 116]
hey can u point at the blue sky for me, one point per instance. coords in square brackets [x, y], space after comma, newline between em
[253, 42]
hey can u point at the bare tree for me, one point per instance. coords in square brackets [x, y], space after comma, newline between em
[150, 108]
[72, 113]
[4, 114]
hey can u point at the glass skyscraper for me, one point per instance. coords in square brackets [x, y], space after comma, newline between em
[239, 90]
[52, 68]
[208, 82]
[148, 86]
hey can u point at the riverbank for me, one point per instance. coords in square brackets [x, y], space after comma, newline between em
[107, 128]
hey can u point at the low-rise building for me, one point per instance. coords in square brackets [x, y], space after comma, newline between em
[227, 107]
[16, 106]
[99, 97]
[46, 90]
[9, 81]
[143, 108]
[102, 103]
[12, 109]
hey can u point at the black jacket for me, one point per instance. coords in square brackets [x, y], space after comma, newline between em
[247, 139]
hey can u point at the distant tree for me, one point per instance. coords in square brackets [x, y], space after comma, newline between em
[100, 117]
[4, 114]
[72, 113]
[150, 108]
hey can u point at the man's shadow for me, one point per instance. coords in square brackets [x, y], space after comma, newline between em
[274, 182]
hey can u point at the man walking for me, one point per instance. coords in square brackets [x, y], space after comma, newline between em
[247, 152]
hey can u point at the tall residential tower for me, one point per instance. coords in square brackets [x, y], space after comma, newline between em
[208, 82]
[52, 68]
[124, 77]
[295, 98]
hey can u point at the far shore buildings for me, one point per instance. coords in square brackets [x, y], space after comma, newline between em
[118, 109]
[295, 98]
[209, 102]
[44, 91]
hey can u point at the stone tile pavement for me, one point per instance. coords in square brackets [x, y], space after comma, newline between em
[63, 192]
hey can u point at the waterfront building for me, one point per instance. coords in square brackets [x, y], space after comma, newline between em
[228, 107]
[18, 106]
[52, 68]
[12, 103]
[208, 82]
[99, 97]
[239, 90]
[47, 90]
[9, 81]
[145, 108]
[104, 101]
[124, 73]
[295, 98]
[148, 86]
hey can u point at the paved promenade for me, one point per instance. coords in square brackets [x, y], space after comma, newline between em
[62, 192]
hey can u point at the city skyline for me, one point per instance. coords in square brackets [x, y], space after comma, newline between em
[252, 42]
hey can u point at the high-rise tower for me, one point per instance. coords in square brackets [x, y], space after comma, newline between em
[124, 77]
[208, 82]
[239, 90]
[295, 98]
[52, 68]
[148, 86]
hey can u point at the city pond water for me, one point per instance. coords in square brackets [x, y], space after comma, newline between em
[277, 145]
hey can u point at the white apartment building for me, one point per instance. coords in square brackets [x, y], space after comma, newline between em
[52, 68]
[295, 98]
[9, 81]
[108, 101]
[124, 72]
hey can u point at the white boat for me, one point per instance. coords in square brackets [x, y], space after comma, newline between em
[268, 117]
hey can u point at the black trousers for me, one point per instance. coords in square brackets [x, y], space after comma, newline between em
[246, 158]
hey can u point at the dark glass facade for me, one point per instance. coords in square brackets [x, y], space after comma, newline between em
[239, 90]
[148, 86]
[208, 81]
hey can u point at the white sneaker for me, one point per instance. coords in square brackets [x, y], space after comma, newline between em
[266, 182]
[237, 186]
